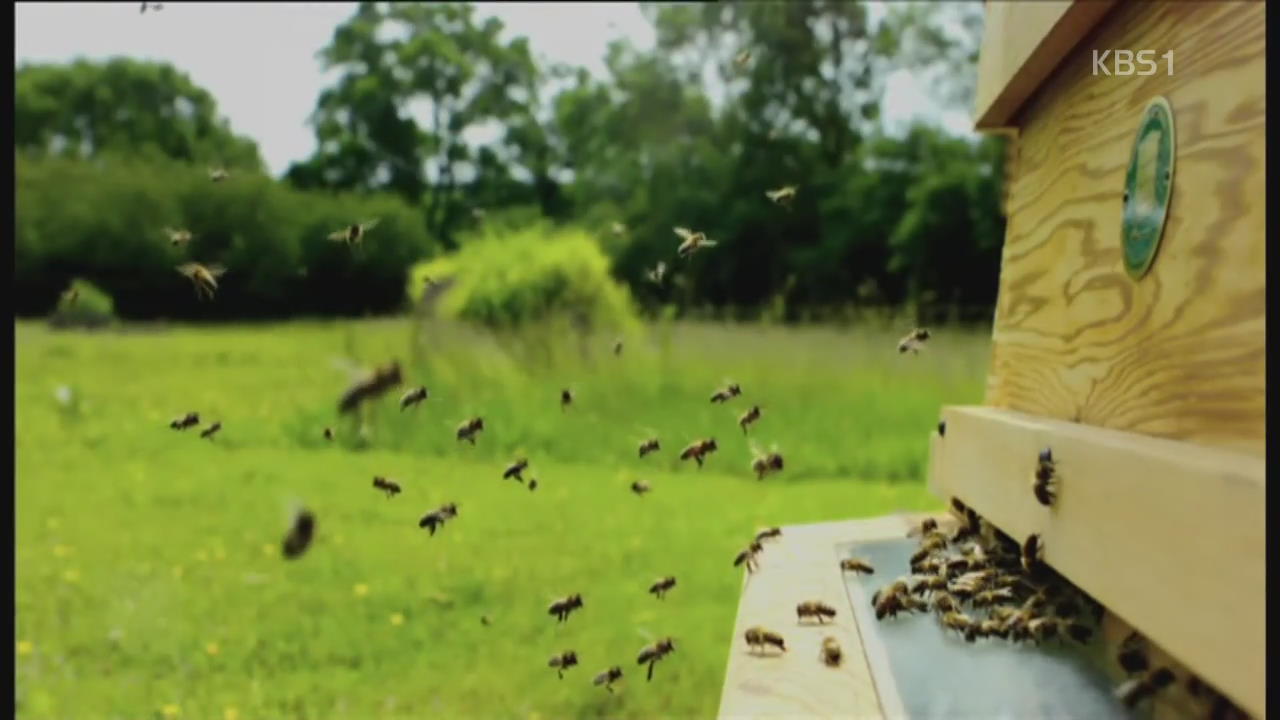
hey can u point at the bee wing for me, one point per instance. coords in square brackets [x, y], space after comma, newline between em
[338, 235]
[708, 243]
[684, 233]
[188, 269]
[216, 270]
[370, 224]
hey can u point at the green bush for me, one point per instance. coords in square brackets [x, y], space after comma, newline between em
[88, 306]
[509, 279]
[104, 220]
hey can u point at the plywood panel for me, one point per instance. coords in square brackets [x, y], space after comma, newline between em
[1167, 535]
[1181, 353]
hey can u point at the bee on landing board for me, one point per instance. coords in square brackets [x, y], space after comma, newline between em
[469, 429]
[1044, 482]
[649, 446]
[189, 420]
[759, 638]
[210, 431]
[354, 234]
[640, 488]
[659, 589]
[830, 653]
[925, 527]
[1135, 690]
[857, 565]
[699, 450]
[608, 677]
[815, 609]
[1032, 552]
[300, 534]
[390, 487]
[651, 654]
[412, 398]
[563, 661]
[516, 470]
[564, 606]
[203, 277]
[748, 418]
[691, 242]
[1132, 655]
[748, 557]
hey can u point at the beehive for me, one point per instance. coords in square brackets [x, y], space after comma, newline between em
[1132, 345]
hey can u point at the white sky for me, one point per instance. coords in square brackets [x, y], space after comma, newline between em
[259, 59]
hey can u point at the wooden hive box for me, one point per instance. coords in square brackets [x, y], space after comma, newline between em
[1134, 350]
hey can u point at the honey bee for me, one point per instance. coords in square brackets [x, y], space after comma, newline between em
[1043, 484]
[768, 534]
[758, 638]
[563, 607]
[212, 430]
[942, 428]
[516, 470]
[412, 398]
[300, 534]
[830, 654]
[913, 341]
[1132, 656]
[204, 278]
[189, 420]
[651, 654]
[328, 434]
[659, 589]
[469, 429]
[436, 518]
[617, 347]
[640, 488]
[991, 597]
[533, 484]
[608, 677]
[748, 557]
[1032, 551]
[70, 297]
[925, 527]
[956, 620]
[691, 242]
[562, 661]
[618, 228]
[732, 390]
[178, 237]
[650, 445]
[749, 417]
[856, 565]
[1135, 690]
[698, 450]
[1075, 630]
[566, 398]
[353, 234]
[1043, 628]
[658, 272]
[944, 602]
[389, 487]
[783, 195]
[742, 58]
[992, 628]
[380, 381]
[895, 598]
[766, 464]
[815, 609]
[218, 174]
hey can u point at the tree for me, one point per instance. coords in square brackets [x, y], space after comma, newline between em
[123, 107]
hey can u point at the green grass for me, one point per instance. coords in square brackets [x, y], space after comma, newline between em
[138, 546]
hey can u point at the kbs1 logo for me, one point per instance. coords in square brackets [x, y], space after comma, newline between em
[1127, 62]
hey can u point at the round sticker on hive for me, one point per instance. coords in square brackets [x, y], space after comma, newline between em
[1147, 187]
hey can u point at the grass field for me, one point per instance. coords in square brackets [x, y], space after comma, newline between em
[150, 582]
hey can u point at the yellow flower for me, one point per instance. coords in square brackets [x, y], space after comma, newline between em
[71, 575]
[62, 550]
[25, 647]
[231, 714]
[361, 589]
[171, 710]
[211, 648]
[397, 619]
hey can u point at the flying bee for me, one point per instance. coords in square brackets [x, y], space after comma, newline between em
[658, 272]
[218, 174]
[691, 242]
[925, 527]
[390, 487]
[189, 420]
[70, 297]
[830, 653]
[353, 234]
[942, 428]
[768, 534]
[1044, 483]
[178, 237]
[640, 488]
[566, 398]
[748, 557]
[913, 341]
[516, 470]
[564, 606]
[562, 662]
[608, 677]
[617, 346]
[379, 382]
[783, 195]
[1132, 656]
[469, 429]
[659, 589]
[749, 417]
[650, 445]
[651, 654]
[856, 565]
[766, 463]
[436, 518]
[212, 430]
[815, 609]
[328, 433]
[742, 58]
[618, 228]
[204, 278]
[1135, 690]
[732, 390]
[412, 398]
[533, 484]
[300, 534]
[698, 450]
[1032, 552]
[758, 638]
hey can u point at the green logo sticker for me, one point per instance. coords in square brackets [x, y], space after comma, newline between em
[1147, 187]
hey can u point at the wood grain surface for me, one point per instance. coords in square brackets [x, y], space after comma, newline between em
[1179, 354]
